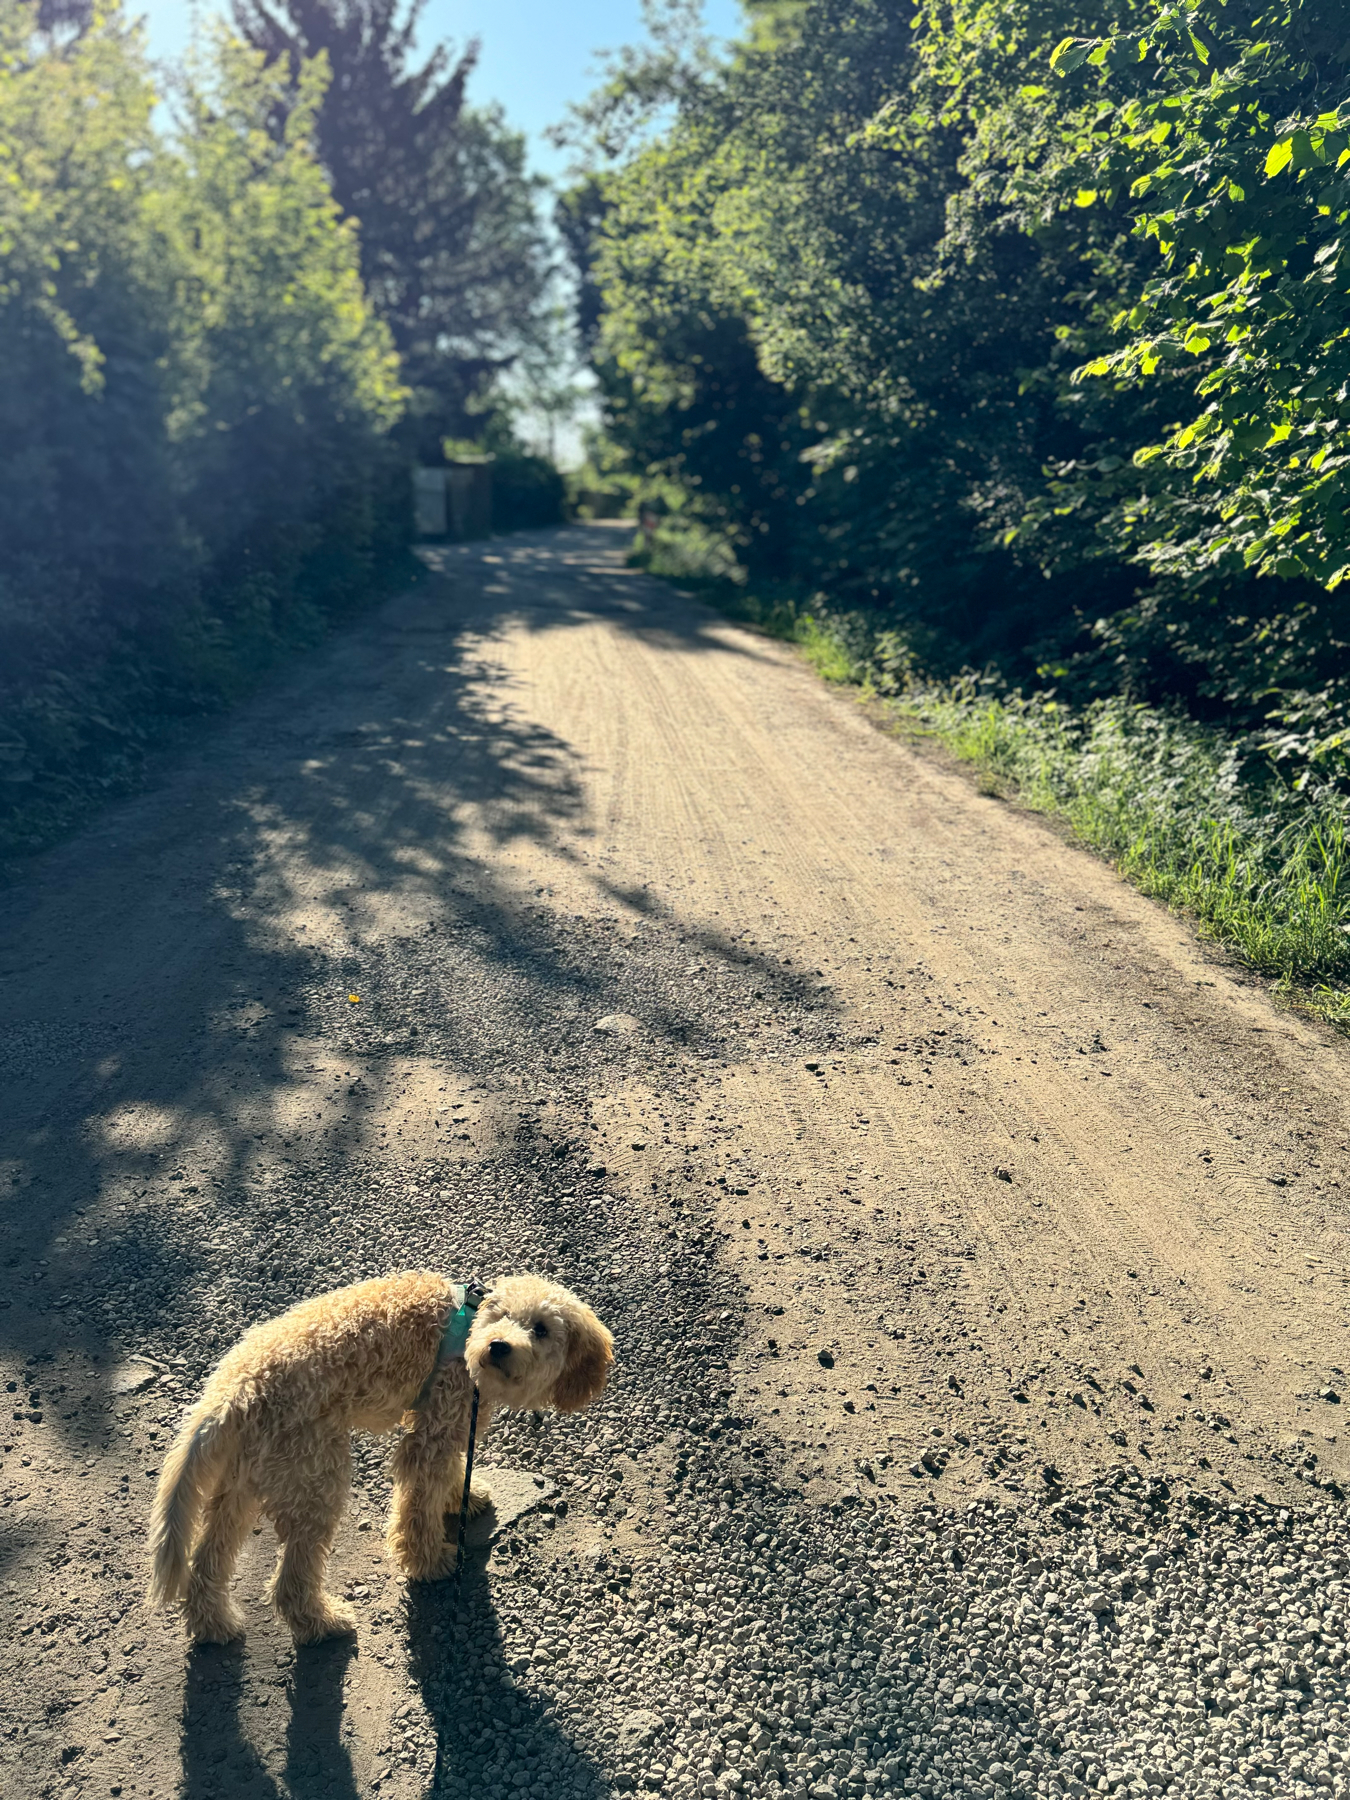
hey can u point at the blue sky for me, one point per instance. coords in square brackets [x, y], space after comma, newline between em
[537, 55]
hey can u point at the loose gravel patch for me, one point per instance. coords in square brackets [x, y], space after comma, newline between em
[681, 1621]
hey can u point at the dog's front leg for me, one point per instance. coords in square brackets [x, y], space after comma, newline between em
[416, 1538]
[429, 1481]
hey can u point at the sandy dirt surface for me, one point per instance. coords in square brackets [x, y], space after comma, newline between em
[546, 914]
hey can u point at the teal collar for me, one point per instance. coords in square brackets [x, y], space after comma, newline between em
[469, 1296]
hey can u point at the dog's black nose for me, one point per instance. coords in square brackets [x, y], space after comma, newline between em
[499, 1350]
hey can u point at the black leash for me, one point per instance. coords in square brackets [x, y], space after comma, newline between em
[454, 1339]
[468, 1477]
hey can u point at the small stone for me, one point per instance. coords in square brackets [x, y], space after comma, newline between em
[132, 1377]
[1097, 1603]
[638, 1727]
[618, 1024]
[825, 1359]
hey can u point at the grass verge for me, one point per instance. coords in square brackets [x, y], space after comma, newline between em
[1182, 813]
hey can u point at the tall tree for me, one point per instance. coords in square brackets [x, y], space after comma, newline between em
[452, 251]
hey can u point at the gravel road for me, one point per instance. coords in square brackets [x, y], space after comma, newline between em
[973, 1240]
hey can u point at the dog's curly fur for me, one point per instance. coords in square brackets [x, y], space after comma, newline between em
[271, 1434]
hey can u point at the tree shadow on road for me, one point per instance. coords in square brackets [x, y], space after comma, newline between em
[180, 1048]
[556, 582]
[166, 982]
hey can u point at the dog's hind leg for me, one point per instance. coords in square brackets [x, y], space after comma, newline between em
[211, 1615]
[297, 1589]
[306, 1514]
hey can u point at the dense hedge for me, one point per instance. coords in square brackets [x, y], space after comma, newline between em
[527, 491]
[195, 398]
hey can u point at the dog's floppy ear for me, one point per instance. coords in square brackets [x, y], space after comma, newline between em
[590, 1352]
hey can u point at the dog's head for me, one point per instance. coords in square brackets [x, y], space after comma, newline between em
[533, 1344]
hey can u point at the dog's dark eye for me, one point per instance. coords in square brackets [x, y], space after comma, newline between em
[540, 1329]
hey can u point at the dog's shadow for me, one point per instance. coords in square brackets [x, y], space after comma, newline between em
[221, 1761]
[318, 1762]
[489, 1728]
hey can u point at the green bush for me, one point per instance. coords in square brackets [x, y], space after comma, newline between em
[194, 405]
[527, 491]
[1019, 328]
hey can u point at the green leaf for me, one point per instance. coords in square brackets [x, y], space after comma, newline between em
[1124, 53]
[1280, 157]
[1070, 54]
[1085, 197]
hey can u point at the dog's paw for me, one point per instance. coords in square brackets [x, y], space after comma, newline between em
[480, 1498]
[428, 1564]
[328, 1619]
[422, 1556]
[219, 1623]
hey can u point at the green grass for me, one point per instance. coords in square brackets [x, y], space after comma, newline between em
[1176, 806]
[826, 655]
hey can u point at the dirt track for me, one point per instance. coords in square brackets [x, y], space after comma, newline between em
[1040, 1179]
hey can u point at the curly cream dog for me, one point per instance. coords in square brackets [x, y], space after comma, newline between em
[271, 1434]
